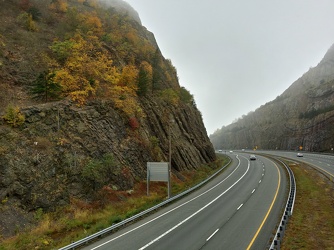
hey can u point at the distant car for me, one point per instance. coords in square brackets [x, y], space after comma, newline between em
[220, 150]
[299, 155]
[231, 151]
[252, 157]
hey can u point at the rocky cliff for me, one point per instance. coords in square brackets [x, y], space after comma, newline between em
[55, 149]
[302, 117]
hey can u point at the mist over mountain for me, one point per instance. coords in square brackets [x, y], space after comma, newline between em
[123, 7]
[300, 118]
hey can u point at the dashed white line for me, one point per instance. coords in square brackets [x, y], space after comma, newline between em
[195, 213]
[240, 206]
[259, 181]
[253, 191]
[212, 235]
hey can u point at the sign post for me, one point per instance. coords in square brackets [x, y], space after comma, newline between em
[158, 171]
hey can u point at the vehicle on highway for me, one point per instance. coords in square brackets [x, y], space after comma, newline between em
[220, 150]
[299, 155]
[252, 157]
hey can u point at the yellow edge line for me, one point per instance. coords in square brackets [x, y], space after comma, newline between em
[270, 208]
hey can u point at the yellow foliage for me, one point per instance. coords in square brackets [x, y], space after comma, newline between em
[129, 77]
[25, 19]
[85, 69]
[13, 116]
[125, 99]
[59, 5]
[93, 23]
[92, 3]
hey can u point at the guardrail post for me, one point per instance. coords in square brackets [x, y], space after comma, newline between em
[277, 244]
[281, 228]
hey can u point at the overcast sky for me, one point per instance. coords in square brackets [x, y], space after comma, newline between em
[236, 55]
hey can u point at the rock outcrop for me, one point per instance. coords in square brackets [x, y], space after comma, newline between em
[64, 150]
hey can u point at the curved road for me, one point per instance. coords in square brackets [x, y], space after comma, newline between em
[321, 161]
[238, 209]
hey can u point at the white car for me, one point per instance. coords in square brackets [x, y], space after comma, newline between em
[299, 155]
[252, 157]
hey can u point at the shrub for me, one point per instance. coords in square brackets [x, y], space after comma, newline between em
[25, 19]
[134, 124]
[170, 96]
[185, 95]
[13, 116]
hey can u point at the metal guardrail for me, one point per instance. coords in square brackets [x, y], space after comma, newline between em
[131, 219]
[287, 212]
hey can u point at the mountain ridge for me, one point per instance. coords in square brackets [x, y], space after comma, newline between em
[299, 118]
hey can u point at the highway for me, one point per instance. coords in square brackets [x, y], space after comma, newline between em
[322, 162]
[239, 209]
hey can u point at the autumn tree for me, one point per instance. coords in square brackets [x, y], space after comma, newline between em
[84, 69]
[90, 22]
[13, 116]
[125, 92]
[59, 5]
[26, 20]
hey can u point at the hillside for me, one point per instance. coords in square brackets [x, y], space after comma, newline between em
[86, 100]
[301, 117]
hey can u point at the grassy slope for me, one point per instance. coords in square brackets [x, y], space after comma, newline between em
[312, 223]
[80, 219]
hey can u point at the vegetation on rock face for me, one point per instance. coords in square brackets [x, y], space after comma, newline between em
[13, 116]
[89, 51]
[86, 100]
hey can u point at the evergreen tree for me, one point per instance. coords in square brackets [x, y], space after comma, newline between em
[157, 70]
[45, 88]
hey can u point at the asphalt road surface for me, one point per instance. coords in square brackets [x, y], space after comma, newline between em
[239, 209]
[322, 162]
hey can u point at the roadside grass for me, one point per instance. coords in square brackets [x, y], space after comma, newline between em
[80, 219]
[312, 224]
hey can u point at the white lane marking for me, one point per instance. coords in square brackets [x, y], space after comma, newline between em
[240, 206]
[181, 205]
[259, 181]
[262, 174]
[253, 191]
[192, 215]
[212, 235]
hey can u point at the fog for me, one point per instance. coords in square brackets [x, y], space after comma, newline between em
[236, 55]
